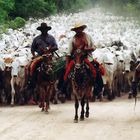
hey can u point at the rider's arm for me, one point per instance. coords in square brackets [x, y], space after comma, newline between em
[69, 53]
[33, 47]
[91, 47]
[53, 46]
[67, 60]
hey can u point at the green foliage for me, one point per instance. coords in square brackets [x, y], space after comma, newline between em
[3, 28]
[18, 22]
[3, 15]
[80, 4]
[128, 7]
[34, 8]
[73, 5]
[5, 7]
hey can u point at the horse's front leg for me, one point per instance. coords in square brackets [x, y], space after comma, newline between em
[82, 111]
[47, 97]
[76, 109]
[87, 108]
[42, 98]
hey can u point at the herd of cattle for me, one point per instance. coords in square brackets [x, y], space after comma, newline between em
[119, 65]
[118, 57]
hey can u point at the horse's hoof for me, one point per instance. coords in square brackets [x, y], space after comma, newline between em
[32, 102]
[75, 120]
[55, 102]
[134, 95]
[12, 105]
[46, 111]
[119, 95]
[42, 109]
[40, 105]
[101, 98]
[81, 118]
[93, 99]
[130, 96]
[62, 100]
[87, 115]
[110, 98]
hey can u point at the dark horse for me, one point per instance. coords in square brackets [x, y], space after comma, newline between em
[44, 81]
[81, 84]
[136, 81]
[2, 95]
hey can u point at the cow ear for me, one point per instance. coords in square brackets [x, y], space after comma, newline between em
[12, 60]
[131, 62]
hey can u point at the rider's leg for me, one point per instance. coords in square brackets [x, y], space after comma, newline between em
[32, 67]
[34, 64]
[68, 69]
[91, 67]
[102, 69]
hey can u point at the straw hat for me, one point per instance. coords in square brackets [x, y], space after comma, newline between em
[78, 25]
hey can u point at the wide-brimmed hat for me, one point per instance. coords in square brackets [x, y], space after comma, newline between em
[78, 25]
[44, 26]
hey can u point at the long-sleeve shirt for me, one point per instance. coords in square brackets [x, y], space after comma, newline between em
[44, 42]
[89, 44]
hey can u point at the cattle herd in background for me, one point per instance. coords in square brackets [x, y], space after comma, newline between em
[118, 50]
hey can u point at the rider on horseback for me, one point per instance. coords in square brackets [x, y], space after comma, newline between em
[41, 44]
[83, 42]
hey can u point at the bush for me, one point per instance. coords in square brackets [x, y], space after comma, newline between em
[34, 8]
[3, 28]
[5, 7]
[18, 22]
[3, 15]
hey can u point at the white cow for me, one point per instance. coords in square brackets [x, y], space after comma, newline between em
[130, 64]
[2, 64]
[18, 78]
[14, 80]
[118, 74]
[108, 59]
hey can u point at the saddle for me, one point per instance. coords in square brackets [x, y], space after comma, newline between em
[34, 64]
[30, 71]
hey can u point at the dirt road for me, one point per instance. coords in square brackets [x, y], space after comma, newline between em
[115, 120]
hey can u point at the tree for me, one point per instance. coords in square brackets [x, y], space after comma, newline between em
[5, 7]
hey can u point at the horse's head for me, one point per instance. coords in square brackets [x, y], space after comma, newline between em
[80, 71]
[79, 56]
[46, 65]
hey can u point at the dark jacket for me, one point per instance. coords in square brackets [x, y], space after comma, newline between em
[43, 42]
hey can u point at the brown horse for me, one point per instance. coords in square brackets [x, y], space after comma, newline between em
[136, 81]
[45, 82]
[81, 84]
[2, 94]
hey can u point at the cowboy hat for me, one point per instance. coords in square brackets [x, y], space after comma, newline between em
[43, 26]
[78, 25]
